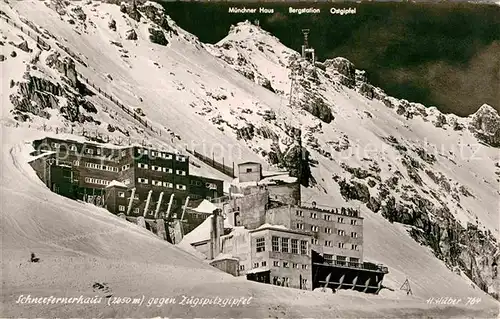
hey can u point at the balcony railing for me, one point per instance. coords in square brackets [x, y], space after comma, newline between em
[351, 264]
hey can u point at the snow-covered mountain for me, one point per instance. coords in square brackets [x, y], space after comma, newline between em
[130, 75]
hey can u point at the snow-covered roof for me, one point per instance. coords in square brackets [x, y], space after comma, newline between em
[46, 153]
[281, 177]
[116, 183]
[257, 270]
[266, 225]
[222, 256]
[202, 232]
[205, 207]
[249, 162]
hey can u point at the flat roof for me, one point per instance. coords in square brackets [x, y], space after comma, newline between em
[280, 229]
[249, 162]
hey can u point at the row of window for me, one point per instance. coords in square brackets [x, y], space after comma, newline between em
[161, 183]
[98, 151]
[282, 244]
[329, 257]
[286, 264]
[277, 263]
[313, 215]
[329, 243]
[327, 217]
[101, 167]
[327, 230]
[97, 181]
[163, 155]
[161, 169]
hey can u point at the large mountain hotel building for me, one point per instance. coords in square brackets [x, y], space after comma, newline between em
[109, 176]
[278, 239]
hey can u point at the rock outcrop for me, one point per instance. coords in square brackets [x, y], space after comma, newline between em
[343, 70]
[157, 36]
[485, 124]
[131, 35]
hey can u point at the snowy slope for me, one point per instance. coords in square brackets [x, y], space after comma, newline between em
[80, 245]
[190, 89]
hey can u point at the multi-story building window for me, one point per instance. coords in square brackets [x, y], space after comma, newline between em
[98, 151]
[341, 245]
[341, 232]
[276, 263]
[260, 244]
[328, 230]
[263, 264]
[328, 243]
[121, 208]
[142, 165]
[168, 170]
[76, 163]
[275, 241]
[153, 153]
[303, 247]
[354, 235]
[121, 194]
[295, 244]
[327, 216]
[156, 183]
[314, 228]
[255, 265]
[314, 215]
[295, 266]
[89, 151]
[168, 185]
[136, 210]
[340, 220]
[125, 167]
[341, 260]
[304, 266]
[124, 153]
[242, 267]
[73, 148]
[156, 168]
[181, 158]
[353, 222]
[354, 247]
[180, 187]
[97, 181]
[285, 264]
[300, 226]
[299, 213]
[166, 155]
[314, 241]
[328, 258]
[304, 283]
[142, 180]
[180, 172]
[284, 245]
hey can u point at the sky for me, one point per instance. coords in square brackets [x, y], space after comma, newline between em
[445, 55]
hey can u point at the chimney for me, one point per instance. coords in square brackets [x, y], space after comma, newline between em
[215, 233]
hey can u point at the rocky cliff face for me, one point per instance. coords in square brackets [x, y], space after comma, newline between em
[333, 110]
[35, 95]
